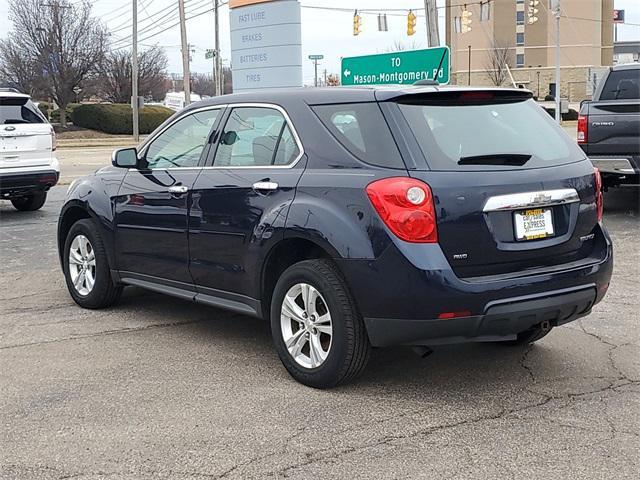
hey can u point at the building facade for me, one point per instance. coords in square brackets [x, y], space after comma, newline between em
[505, 29]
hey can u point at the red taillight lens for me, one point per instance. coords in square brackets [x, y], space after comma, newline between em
[406, 207]
[599, 196]
[583, 129]
[54, 140]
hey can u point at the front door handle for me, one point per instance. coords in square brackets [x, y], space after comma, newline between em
[178, 189]
[265, 186]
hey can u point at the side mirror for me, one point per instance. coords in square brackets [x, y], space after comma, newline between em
[125, 158]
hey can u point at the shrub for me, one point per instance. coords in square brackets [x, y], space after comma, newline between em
[549, 98]
[117, 119]
[572, 115]
[55, 114]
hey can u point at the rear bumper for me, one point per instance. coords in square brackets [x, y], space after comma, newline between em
[503, 320]
[402, 294]
[22, 183]
[619, 166]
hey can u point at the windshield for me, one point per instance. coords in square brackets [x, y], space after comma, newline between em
[499, 136]
[17, 110]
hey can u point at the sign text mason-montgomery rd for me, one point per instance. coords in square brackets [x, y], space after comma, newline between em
[397, 68]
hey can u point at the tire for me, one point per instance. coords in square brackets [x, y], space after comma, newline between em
[30, 203]
[348, 349]
[104, 291]
[529, 336]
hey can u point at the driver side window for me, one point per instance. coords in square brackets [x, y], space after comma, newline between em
[181, 144]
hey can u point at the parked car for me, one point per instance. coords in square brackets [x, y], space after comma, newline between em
[28, 165]
[351, 218]
[609, 126]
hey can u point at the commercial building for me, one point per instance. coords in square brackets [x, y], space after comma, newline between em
[513, 30]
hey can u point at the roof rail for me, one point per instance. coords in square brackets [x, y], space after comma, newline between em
[426, 83]
[9, 89]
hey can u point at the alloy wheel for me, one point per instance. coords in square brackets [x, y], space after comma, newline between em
[305, 322]
[82, 265]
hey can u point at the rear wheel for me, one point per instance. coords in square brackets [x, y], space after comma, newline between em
[317, 331]
[32, 202]
[86, 267]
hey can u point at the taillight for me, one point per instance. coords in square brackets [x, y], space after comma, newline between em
[54, 140]
[599, 196]
[406, 206]
[583, 129]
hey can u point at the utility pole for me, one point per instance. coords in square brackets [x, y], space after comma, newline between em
[219, 90]
[315, 69]
[431, 12]
[557, 12]
[186, 76]
[134, 75]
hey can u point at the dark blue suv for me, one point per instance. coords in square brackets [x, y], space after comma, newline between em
[351, 218]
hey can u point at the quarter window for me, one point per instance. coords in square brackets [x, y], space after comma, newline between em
[181, 144]
[363, 131]
[256, 137]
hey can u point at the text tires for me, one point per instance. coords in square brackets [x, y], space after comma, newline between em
[316, 328]
[30, 203]
[86, 267]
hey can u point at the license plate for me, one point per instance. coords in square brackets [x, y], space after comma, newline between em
[534, 224]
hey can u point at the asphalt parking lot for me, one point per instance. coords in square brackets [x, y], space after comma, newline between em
[159, 388]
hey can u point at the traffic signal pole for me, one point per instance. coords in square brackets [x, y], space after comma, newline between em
[433, 34]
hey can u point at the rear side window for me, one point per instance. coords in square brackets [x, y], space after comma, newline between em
[256, 137]
[489, 136]
[622, 85]
[363, 131]
[17, 110]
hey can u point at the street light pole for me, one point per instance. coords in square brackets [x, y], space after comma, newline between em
[134, 75]
[557, 13]
[219, 90]
[469, 64]
[431, 13]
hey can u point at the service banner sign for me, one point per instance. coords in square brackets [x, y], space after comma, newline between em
[398, 68]
[266, 44]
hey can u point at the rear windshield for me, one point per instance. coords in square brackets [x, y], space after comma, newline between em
[622, 85]
[500, 136]
[361, 129]
[16, 110]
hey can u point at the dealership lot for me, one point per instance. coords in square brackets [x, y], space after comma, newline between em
[160, 388]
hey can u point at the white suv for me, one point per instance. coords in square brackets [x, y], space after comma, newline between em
[28, 166]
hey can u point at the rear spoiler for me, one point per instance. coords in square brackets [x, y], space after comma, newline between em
[455, 96]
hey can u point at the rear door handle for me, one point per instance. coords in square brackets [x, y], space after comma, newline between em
[265, 186]
[178, 189]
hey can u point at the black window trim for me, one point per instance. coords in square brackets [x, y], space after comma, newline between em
[210, 165]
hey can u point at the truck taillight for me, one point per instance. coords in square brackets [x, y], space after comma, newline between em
[599, 196]
[54, 140]
[583, 129]
[406, 206]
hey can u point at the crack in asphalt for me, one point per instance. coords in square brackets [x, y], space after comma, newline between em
[103, 333]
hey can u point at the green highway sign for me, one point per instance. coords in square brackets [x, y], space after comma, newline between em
[209, 54]
[405, 67]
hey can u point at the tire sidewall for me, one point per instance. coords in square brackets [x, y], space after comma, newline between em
[327, 373]
[86, 228]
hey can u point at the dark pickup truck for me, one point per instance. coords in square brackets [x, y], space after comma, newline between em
[609, 126]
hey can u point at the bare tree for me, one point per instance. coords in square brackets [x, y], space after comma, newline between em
[400, 46]
[116, 74]
[496, 65]
[203, 84]
[59, 41]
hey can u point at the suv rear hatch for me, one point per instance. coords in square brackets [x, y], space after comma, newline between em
[26, 139]
[512, 191]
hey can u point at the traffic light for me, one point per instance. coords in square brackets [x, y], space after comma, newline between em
[357, 24]
[532, 11]
[411, 23]
[466, 20]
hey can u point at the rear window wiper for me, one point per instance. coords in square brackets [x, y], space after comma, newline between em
[508, 159]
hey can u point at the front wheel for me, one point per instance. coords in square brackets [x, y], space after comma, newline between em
[317, 331]
[30, 203]
[86, 267]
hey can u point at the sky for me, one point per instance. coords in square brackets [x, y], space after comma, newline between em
[323, 32]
